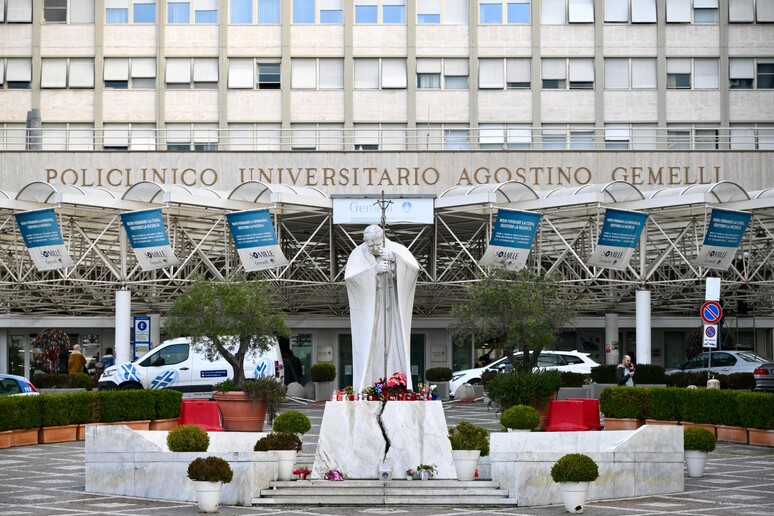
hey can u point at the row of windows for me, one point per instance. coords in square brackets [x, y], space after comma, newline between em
[447, 12]
[333, 137]
[390, 73]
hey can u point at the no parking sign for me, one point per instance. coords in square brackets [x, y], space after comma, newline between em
[710, 335]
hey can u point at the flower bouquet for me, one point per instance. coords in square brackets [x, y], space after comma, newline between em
[426, 471]
[334, 475]
[410, 473]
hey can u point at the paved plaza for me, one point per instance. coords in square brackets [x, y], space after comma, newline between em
[48, 479]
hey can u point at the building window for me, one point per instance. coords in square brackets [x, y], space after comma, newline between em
[198, 137]
[121, 137]
[755, 137]
[689, 137]
[512, 11]
[765, 75]
[561, 12]
[118, 11]
[67, 137]
[502, 137]
[580, 72]
[634, 11]
[303, 11]
[262, 74]
[331, 12]
[366, 11]
[393, 11]
[67, 11]
[750, 11]
[372, 137]
[374, 74]
[18, 73]
[428, 12]
[19, 11]
[696, 11]
[13, 136]
[448, 73]
[448, 12]
[616, 137]
[498, 74]
[246, 137]
[121, 73]
[630, 136]
[322, 74]
[178, 12]
[204, 11]
[67, 73]
[323, 137]
[268, 11]
[186, 73]
[687, 73]
[626, 73]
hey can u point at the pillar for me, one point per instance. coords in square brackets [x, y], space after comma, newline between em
[155, 330]
[643, 327]
[122, 350]
[611, 339]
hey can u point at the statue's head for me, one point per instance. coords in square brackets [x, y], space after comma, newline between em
[373, 236]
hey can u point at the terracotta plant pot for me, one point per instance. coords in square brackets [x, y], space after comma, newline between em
[58, 434]
[142, 424]
[163, 424]
[761, 437]
[733, 434]
[660, 422]
[241, 413]
[5, 439]
[24, 437]
[622, 423]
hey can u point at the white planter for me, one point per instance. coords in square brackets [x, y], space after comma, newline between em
[286, 459]
[466, 463]
[208, 495]
[574, 495]
[695, 462]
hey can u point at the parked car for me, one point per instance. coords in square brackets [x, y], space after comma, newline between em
[175, 365]
[571, 361]
[764, 377]
[721, 362]
[11, 385]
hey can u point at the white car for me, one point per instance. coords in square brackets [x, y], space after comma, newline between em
[570, 361]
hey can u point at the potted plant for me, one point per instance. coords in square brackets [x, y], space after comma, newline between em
[520, 387]
[323, 374]
[265, 396]
[285, 445]
[468, 442]
[520, 417]
[188, 438]
[426, 471]
[573, 472]
[292, 421]
[230, 319]
[697, 443]
[440, 376]
[208, 475]
[410, 473]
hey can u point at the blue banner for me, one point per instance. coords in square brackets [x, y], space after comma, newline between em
[724, 234]
[620, 234]
[255, 239]
[148, 237]
[512, 238]
[41, 234]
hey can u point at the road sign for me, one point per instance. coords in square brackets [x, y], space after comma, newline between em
[710, 335]
[711, 312]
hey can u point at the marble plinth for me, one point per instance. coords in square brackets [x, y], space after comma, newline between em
[354, 436]
[121, 461]
[642, 462]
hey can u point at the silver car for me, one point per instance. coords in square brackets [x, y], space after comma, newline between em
[764, 377]
[721, 362]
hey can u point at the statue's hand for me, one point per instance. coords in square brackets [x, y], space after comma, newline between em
[382, 267]
[386, 254]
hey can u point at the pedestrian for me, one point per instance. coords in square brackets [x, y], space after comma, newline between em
[61, 365]
[108, 359]
[77, 362]
[624, 373]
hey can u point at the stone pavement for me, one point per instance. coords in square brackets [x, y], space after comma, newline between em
[48, 479]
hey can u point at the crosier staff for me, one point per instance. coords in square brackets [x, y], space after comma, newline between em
[383, 205]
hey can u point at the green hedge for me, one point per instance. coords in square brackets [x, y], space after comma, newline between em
[570, 379]
[739, 381]
[23, 412]
[645, 374]
[625, 402]
[603, 374]
[666, 403]
[756, 410]
[62, 381]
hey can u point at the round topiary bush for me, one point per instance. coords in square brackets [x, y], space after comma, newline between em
[575, 467]
[210, 469]
[278, 441]
[188, 438]
[323, 372]
[520, 417]
[438, 374]
[292, 421]
[698, 439]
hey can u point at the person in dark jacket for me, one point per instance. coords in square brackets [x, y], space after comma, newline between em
[624, 373]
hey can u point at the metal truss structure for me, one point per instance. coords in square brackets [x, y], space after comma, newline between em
[312, 284]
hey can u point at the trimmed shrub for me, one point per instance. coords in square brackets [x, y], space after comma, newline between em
[649, 374]
[278, 441]
[575, 467]
[519, 387]
[210, 469]
[604, 374]
[62, 381]
[323, 372]
[467, 436]
[486, 376]
[727, 408]
[127, 405]
[520, 417]
[697, 438]
[756, 410]
[56, 409]
[686, 379]
[571, 379]
[188, 438]
[666, 403]
[20, 412]
[739, 381]
[292, 421]
[85, 407]
[168, 403]
[701, 406]
[625, 402]
[438, 374]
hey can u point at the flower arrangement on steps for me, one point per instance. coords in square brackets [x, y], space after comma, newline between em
[208, 475]
[573, 472]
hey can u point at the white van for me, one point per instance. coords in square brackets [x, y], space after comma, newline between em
[175, 365]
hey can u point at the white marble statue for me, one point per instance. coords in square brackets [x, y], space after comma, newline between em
[381, 278]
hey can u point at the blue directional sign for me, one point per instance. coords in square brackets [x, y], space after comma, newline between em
[711, 312]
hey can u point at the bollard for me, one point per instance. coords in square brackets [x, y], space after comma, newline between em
[713, 384]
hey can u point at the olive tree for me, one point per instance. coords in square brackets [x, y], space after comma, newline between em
[229, 318]
[515, 312]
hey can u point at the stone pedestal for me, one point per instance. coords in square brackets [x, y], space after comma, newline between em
[357, 436]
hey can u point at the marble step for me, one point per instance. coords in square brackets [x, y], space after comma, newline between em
[445, 500]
